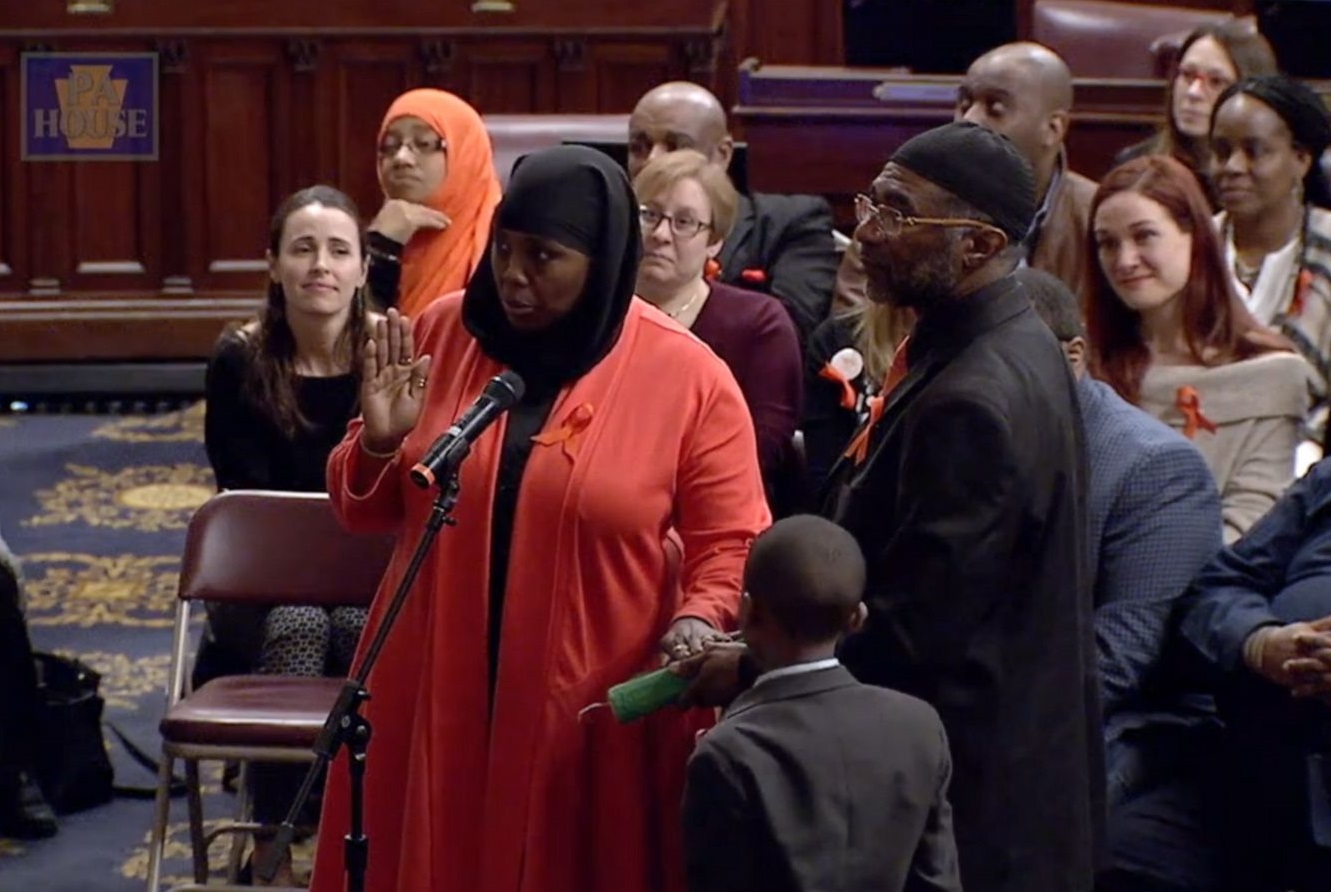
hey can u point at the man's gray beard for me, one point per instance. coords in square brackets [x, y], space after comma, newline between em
[926, 283]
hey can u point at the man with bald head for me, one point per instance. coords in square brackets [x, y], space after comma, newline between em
[1024, 91]
[780, 244]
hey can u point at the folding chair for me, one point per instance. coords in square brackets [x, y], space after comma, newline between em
[260, 548]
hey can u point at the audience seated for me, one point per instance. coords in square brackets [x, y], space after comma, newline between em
[436, 169]
[280, 392]
[809, 751]
[24, 811]
[1268, 135]
[1171, 336]
[688, 207]
[1153, 517]
[1213, 57]
[780, 244]
[1250, 811]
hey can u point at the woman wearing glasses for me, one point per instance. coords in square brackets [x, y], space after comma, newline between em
[1268, 138]
[688, 206]
[1171, 336]
[437, 173]
[1212, 58]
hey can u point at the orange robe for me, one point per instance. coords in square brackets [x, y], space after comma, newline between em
[535, 799]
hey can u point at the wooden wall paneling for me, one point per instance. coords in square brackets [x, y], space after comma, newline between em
[178, 111]
[513, 75]
[309, 119]
[112, 242]
[13, 266]
[244, 159]
[623, 71]
[367, 76]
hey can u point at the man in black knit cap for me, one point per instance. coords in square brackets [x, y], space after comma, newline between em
[965, 490]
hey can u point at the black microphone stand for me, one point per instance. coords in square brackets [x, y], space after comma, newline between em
[347, 727]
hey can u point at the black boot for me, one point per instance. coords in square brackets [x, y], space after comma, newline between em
[24, 812]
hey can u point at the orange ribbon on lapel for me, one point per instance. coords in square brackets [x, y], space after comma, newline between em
[829, 373]
[858, 449]
[570, 432]
[1189, 402]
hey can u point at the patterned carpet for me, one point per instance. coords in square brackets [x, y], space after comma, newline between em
[96, 508]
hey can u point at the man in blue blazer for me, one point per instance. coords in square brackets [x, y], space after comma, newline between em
[1154, 521]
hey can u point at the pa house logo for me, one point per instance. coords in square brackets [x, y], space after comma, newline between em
[89, 106]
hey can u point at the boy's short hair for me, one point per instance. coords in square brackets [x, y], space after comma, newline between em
[1054, 302]
[808, 575]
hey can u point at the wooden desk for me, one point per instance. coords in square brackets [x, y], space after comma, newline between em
[829, 130]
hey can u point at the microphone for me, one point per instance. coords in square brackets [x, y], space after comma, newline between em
[454, 445]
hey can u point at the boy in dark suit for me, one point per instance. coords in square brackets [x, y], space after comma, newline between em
[813, 781]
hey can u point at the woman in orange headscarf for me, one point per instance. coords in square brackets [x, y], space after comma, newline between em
[436, 169]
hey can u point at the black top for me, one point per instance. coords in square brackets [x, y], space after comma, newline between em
[970, 509]
[246, 447]
[385, 273]
[579, 198]
[829, 425]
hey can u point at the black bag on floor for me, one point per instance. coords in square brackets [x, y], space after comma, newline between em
[72, 765]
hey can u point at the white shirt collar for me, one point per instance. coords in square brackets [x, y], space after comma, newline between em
[798, 669]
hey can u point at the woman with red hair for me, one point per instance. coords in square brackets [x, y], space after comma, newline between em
[1169, 334]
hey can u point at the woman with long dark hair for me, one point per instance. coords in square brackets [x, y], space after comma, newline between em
[280, 391]
[1213, 57]
[1170, 335]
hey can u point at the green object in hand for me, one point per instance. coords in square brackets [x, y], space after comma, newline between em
[637, 697]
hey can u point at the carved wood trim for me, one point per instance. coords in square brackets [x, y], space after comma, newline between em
[303, 53]
[701, 54]
[570, 53]
[173, 55]
[438, 56]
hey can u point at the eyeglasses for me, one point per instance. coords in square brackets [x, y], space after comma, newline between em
[1212, 83]
[420, 146]
[890, 221]
[684, 227]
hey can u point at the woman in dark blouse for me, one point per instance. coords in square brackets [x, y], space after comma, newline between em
[848, 357]
[280, 392]
[688, 206]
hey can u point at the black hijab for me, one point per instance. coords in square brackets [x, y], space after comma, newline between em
[579, 197]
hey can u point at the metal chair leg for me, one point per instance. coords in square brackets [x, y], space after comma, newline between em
[161, 814]
[194, 796]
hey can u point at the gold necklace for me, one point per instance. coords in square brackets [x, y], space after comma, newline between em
[689, 303]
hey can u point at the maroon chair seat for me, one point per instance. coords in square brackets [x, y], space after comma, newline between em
[512, 136]
[253, 711]
[1104, 38]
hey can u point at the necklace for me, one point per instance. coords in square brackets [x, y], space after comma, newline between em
[675, 314]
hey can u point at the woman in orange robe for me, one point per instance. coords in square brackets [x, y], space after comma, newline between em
[482, 777]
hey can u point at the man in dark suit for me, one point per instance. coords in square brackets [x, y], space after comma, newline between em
[780, 244]
[813, 782]
[1153, 522]
[966, 491]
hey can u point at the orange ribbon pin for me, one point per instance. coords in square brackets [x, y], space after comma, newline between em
[570, 432]
[1189, 402]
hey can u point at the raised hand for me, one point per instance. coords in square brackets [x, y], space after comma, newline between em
[400, 219]
[393, 382]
